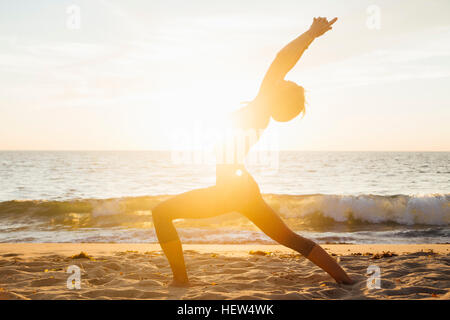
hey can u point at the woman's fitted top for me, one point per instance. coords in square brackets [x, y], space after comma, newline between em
[238, 135]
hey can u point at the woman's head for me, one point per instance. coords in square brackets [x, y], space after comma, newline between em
[287, 101]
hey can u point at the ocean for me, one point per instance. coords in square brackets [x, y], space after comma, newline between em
[331, 197]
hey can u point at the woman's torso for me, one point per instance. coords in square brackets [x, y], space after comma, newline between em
[241, 131]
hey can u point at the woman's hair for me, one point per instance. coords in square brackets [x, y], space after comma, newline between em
[287, 101]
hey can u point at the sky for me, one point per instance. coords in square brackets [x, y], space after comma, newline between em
[124, 75]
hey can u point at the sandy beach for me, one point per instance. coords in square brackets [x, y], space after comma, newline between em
[140, 271]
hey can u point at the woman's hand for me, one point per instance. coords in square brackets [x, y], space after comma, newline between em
[320, 26]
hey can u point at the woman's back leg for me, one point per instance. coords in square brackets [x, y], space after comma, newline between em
[266, 219]
[263, 216]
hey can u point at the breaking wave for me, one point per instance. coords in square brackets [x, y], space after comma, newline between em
[300, 210]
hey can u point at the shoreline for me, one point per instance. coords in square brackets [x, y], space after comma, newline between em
[64, 248]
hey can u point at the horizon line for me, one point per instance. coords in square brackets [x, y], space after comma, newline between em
[166, 150]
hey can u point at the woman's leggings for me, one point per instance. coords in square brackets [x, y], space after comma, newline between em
[232, 193]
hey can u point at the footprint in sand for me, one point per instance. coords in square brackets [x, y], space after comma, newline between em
[412, 290]
[149, 283]
[114, 293]
[46, 282]
[6, 295]
[241, 264]
[244, 278]
[334, 293]
[8, 255]
[280, 281]
[9, 271]
[152, 295]
[112, 265]
[97, 272]
[100, 281]
[208, 296]
[231, 271]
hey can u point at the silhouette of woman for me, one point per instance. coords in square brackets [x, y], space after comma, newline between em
[235, 189]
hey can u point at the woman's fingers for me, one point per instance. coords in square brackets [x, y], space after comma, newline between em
[322, 25]
[332, 21]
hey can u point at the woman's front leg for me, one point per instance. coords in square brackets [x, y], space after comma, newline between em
[174, 253]
[170, 244]
[200, 203]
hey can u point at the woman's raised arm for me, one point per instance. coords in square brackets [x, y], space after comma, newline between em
[288, 57]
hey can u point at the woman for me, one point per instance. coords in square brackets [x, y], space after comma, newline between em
[235, 189]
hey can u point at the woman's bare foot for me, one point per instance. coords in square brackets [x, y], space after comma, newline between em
[347, 281]
[323, 260]
[188, 283]
[179, 284]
